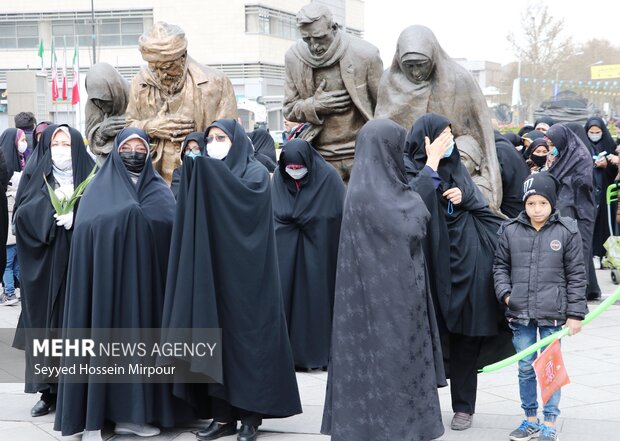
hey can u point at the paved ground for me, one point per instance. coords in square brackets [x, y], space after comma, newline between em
[590, 404]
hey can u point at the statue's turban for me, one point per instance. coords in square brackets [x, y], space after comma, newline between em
[164, 42]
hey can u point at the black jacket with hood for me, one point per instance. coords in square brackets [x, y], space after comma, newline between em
[542, 271]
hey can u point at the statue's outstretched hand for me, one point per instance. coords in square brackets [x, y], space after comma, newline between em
[172, 127]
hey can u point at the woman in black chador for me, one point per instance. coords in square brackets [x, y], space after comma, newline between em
[223, 273]
[459, 249]
[308, 197]
[116, 279]
[386, 356]
[43, 241]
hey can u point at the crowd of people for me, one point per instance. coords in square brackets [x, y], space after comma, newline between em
[390, 282]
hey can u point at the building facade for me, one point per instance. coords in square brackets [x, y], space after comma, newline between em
[247, 40]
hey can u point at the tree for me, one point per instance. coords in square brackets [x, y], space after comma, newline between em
[542, 51]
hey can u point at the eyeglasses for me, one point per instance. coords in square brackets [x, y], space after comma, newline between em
[218, 138]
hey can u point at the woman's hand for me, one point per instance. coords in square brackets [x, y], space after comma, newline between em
[454, 195]
[436, 149]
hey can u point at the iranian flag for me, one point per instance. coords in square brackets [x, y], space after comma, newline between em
[54, 74]
[75, 89]
[64, 76]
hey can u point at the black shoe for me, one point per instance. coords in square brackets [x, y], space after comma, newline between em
[247, 433]
[42, 408]
[594, 296]
[215, 431]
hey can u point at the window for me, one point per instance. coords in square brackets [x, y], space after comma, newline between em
[110, 31]
[19, 35]
[267, 21]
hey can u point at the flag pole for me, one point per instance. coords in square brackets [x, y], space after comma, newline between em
[77, 83]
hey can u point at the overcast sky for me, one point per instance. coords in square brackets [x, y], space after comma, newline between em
[477, 29]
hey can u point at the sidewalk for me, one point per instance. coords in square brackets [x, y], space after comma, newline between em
[590, 404]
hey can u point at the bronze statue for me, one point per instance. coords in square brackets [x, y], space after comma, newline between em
[175, 95]
[108, 93]
[331, 84]
[471, 157]
[422, 79]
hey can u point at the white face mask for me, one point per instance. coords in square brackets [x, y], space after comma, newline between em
[61, 157]
[297, 173]
[218, 150]
[22, 146]
[595, 137]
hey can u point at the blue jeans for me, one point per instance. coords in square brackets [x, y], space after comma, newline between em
[11, 271]
[522, 337]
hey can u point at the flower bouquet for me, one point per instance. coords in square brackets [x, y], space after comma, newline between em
[63, 199]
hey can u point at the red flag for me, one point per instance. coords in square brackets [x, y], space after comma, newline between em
[75, 89]
[550, 370]
[54, 74]
[64, 77]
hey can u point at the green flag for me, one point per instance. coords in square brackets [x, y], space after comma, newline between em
[41, 53]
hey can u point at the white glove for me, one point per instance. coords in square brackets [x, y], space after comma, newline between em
[17, 176]
[64, 220]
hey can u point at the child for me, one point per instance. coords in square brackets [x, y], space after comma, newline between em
[539, 274]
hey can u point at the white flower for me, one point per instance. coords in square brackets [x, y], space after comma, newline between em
[64, 192]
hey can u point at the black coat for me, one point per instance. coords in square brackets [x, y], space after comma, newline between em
[542, 271]
[386, 358]
[223, 273]
[116, 279]
[42, 246]
[307, 224]
[264, 148]
[514, 172]
[461, 243]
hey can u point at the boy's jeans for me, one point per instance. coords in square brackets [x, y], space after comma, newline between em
[11, 270]
[522, 337]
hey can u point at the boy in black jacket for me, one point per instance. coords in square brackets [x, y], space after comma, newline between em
[539, 274]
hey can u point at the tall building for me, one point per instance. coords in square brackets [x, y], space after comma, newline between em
[245, 39]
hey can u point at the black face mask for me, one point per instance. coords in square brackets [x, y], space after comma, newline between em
[540, 161]
[134, 161]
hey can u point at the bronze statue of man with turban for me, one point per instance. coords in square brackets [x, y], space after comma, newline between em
[175, 95]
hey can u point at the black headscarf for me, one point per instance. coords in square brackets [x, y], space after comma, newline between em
[307, 224]
[532, 136]
[513, 138]
[8, 145]
[383, 303]
[264, 148]
[514, 172]
[534, 145]
[573, 168]
[546, 120]
[525, 129]
[116, 279]
[199, 137]
[42, 246]
[606, 143]
[461, 238]
[223, 229]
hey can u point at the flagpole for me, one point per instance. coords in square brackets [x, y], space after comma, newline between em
[77, 83]
[65, 81]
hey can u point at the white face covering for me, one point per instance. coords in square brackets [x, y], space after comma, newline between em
[595, 137]
[61, 157]
[297, 173]
[22, 146]
[218, 150]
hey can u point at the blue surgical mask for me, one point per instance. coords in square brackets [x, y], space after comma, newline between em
[449, 151]
[554, 151]
[192, 155]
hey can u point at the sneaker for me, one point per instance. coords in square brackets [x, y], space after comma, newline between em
[548, 433]
[7, 300]
[526, 431]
